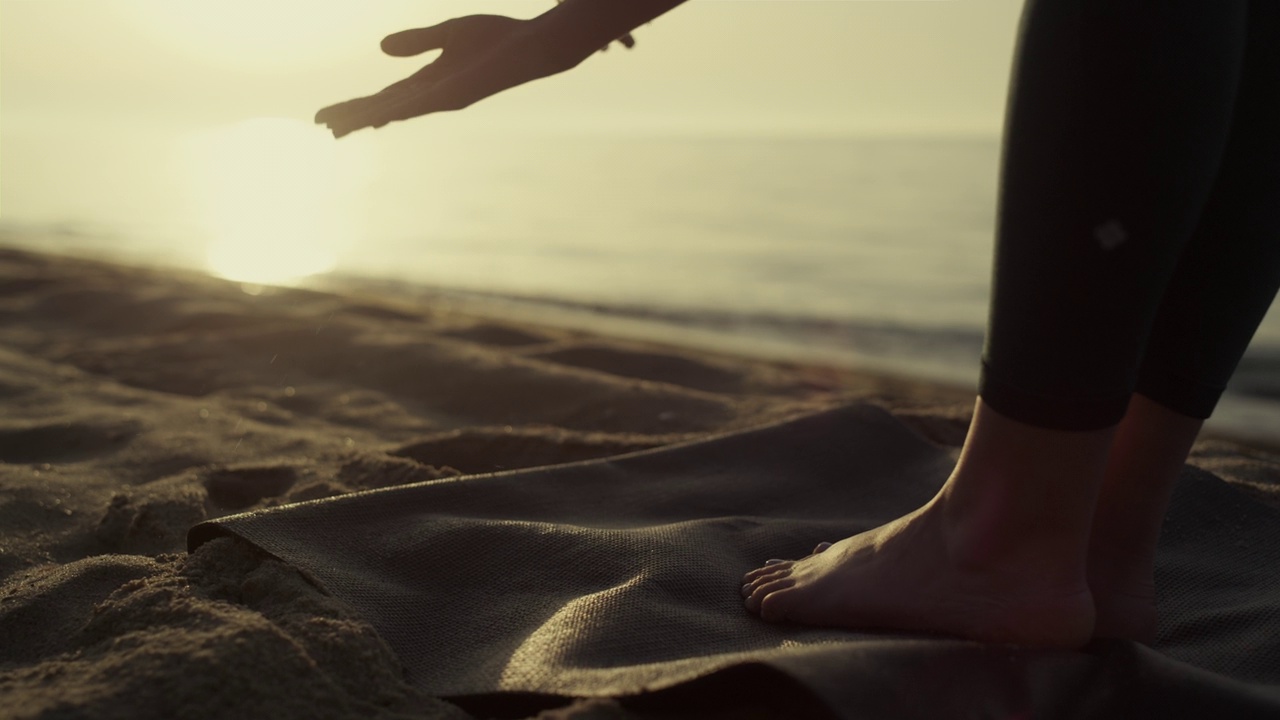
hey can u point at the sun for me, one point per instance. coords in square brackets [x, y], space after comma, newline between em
[277, 198]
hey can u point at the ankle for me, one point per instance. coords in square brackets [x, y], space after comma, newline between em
[985, 540]
[1024, 496]
[1150, 449]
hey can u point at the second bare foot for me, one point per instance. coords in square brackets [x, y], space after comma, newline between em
[1124, 598]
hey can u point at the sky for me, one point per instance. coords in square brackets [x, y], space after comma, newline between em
[772, 65]
[106, 106]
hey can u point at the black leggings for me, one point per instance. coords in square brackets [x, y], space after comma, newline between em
[1138, 237]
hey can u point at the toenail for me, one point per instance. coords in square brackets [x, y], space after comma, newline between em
[773, 561]
[746, 590]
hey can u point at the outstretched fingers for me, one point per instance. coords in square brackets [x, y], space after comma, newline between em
[408, 43]
[400, 102]
[349, 116]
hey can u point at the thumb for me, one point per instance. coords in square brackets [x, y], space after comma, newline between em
[415, 42]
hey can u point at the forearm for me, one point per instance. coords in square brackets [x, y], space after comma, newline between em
[575, 29]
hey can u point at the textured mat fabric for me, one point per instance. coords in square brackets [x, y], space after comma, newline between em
[620, 577]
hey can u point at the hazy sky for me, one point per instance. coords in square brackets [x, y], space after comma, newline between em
[144, 117]
[773, 65]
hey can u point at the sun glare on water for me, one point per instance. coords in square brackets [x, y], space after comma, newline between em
[277, 198]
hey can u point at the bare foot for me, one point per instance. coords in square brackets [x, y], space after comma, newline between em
[906, 576]
[998, 555]
[1142, 467]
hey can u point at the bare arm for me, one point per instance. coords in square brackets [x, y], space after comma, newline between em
[579, 27]
[485, 54]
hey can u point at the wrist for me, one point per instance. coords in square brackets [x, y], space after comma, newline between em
[557, 41]
[574, 30]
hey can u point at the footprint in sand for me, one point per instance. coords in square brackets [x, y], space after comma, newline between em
[63, 442]
[496, 335]
[12, 285]
[238, 488]
[378, 312]
[659, 367]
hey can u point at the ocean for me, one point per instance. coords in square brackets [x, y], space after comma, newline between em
[869, 252]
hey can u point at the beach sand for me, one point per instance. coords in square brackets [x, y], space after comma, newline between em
[138, 402]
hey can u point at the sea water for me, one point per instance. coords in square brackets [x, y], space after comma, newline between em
[863, 251]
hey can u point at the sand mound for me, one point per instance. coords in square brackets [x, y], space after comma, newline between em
[226, 632]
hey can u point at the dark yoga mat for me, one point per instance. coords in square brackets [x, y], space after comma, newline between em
[619, 577]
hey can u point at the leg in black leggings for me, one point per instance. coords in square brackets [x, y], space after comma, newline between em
[1129, 134]
[1228, 274]
[1127, 153]
[1224, 282]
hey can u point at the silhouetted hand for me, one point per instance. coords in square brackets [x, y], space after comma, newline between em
[482, 55]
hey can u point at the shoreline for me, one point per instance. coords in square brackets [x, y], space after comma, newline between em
[1237, 418]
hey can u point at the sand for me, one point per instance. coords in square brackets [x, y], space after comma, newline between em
[138, 402]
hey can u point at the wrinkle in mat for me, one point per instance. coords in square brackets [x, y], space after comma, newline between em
[620, 576]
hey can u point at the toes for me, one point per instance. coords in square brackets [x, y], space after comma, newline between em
[775, 572]
[761, 591]
[773, 607]
[766, 570]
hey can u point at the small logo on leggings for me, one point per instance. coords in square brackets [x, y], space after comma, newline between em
[1110, 234]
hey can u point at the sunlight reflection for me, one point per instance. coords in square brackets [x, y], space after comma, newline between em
[278, 198]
